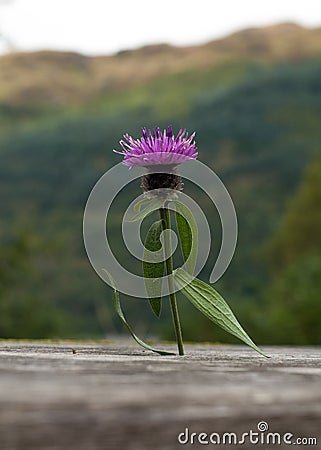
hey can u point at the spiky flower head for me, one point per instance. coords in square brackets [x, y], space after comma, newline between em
[158, 148]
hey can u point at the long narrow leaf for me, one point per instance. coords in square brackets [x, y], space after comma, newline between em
[153, 272]
[120, 313]
[188, 235]
[212, 305]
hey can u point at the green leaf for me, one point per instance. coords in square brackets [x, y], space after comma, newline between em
[120, 313]
[153, 272]
[188, 234]
[151, 207]
[137, 207]
[212, 305]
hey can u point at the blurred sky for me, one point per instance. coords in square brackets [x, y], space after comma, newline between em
[102, 26]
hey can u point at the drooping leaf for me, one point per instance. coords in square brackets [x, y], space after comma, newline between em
[153, 272]
[120, 313]
[212, 305]
[151, 207]
[188, 235]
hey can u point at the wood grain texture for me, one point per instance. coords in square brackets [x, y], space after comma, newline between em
[108, 396]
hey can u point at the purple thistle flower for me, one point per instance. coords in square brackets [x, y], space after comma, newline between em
[158, 148]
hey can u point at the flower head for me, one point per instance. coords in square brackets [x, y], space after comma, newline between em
[158, 147]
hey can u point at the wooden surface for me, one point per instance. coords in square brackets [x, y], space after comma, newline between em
[108, 396]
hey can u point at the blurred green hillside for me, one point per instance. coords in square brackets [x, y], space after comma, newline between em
[254, 99]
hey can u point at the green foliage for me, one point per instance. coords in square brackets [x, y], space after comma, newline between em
[188, 235]
[151, 206]
[292, 304]
[299, 232]
[119, 311]
[23, 314]
[154, 271]
[257, 126]
[212, 305]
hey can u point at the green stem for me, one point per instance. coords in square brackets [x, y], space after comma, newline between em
[165, 216]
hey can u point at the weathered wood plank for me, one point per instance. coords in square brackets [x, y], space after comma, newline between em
[118, 396]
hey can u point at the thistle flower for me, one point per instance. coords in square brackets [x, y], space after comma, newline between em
[160, 152]
[157, 148]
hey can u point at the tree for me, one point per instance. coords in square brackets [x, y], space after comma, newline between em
[292, 303]
[299, 232]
